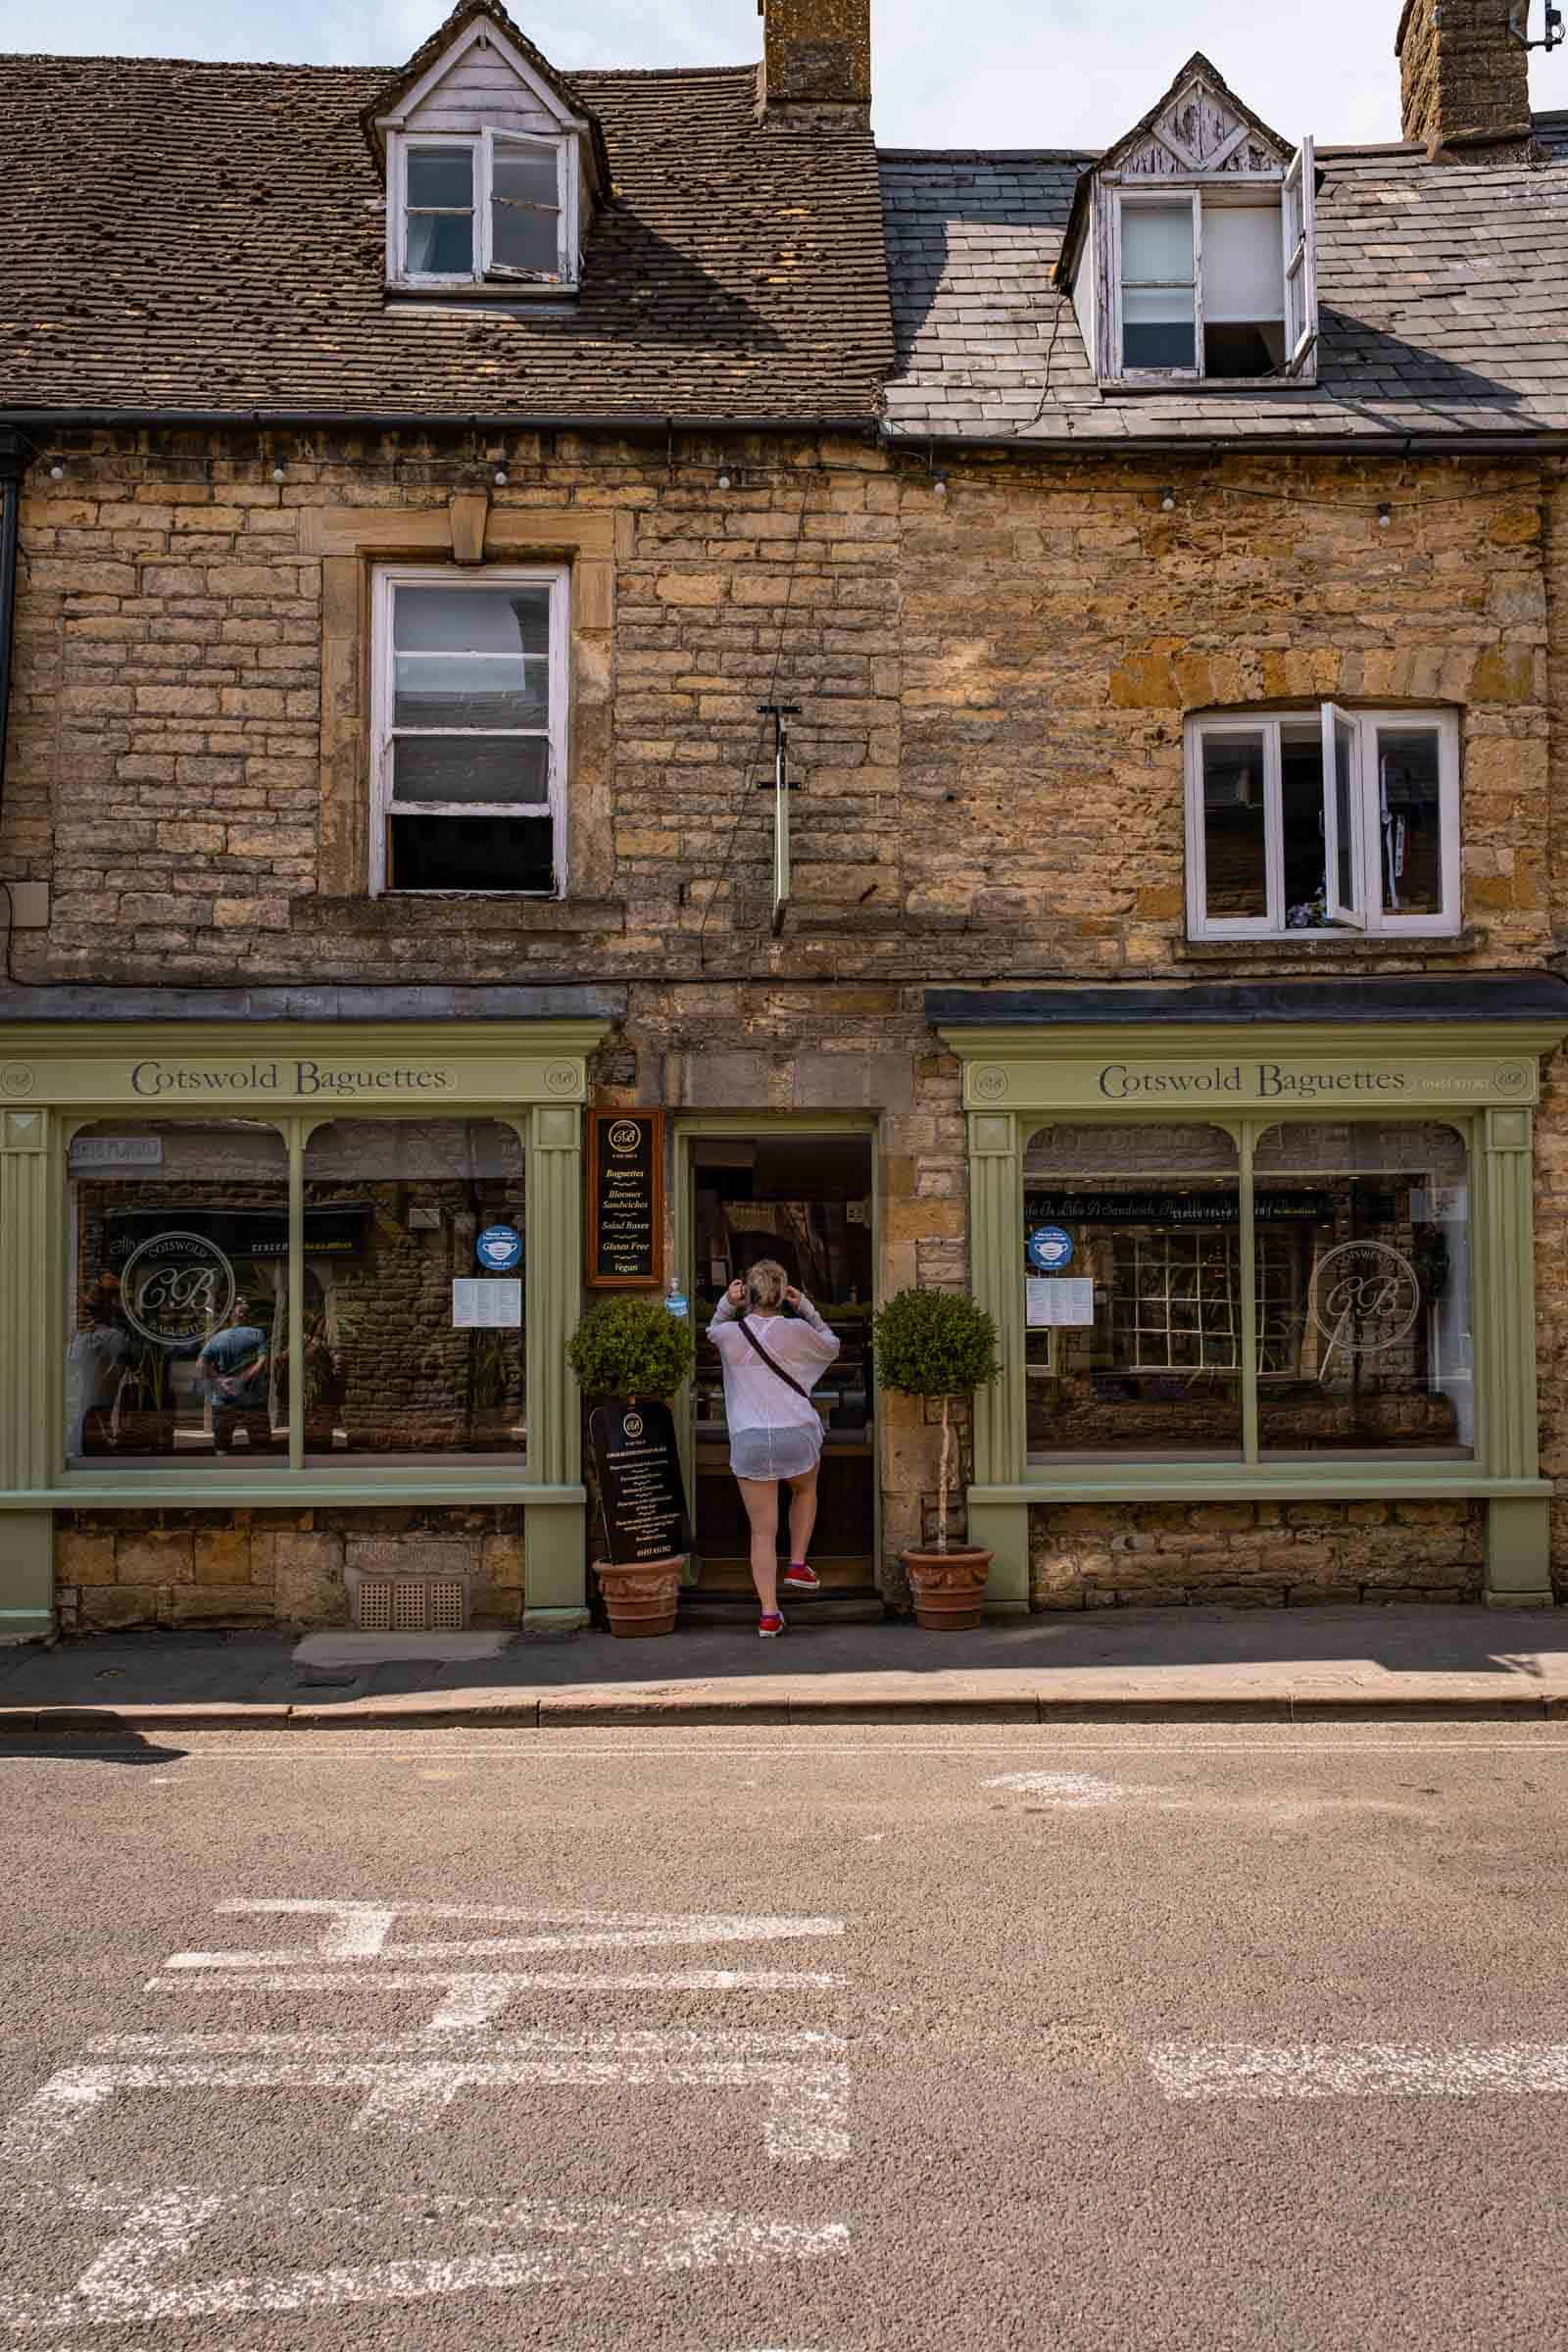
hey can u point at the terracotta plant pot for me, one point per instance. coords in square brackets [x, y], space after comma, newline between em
[641, 1599]
[948, 1587]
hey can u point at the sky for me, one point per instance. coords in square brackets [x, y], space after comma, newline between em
[983, 74]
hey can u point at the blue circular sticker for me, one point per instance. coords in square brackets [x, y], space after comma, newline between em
[1050, 1249]
[500, 1247]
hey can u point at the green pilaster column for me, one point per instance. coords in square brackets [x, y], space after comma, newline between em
[994, 1253]
[556, 1572]
[28, 1406]
[1518, 1527]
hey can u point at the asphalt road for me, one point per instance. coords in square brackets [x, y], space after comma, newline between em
[720, 2041]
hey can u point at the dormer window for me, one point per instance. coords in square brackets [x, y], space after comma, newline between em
[498, 205]
[1191, 248]
[493, 164]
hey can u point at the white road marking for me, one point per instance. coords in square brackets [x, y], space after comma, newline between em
[1535, 1738]
[410, 2081]
[1237, 2070]
[474, 1999]
[562, 2243]
[356, 1931]
[1068, 1788]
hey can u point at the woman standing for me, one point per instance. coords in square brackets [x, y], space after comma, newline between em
[771, 1362]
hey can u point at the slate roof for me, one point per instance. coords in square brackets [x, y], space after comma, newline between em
[211, 237]
[1440, 287]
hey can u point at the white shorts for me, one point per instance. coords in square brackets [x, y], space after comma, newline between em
[764, 1453]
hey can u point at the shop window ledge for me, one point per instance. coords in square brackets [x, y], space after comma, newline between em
[419, 914]
[289, 1490]
[1357, 947]
[1316, 1479]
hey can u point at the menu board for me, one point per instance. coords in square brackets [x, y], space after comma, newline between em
[626, 1223]
[642, 1501]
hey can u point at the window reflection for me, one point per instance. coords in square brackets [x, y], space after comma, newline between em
[177, 1302]
[1132, 1265]
[1366, 1344]
[414, 1313]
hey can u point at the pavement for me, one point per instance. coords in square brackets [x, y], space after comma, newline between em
[827, 2039]
[1288, 1665]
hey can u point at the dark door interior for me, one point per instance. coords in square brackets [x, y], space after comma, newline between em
[805, 1200]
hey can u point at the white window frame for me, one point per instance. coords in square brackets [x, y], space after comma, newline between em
[481, 146]
[1294, 197]
[386, 581]
[1364, 915]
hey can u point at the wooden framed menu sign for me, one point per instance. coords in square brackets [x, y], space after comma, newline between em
[625, 1222]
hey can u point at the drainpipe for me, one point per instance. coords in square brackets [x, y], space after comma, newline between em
[10, 501]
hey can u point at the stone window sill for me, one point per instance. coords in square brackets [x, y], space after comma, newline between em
[424, 913]
[1304, 946]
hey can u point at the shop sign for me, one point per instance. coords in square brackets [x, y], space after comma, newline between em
[239, 1233]
[642, 1500]
[115, 1151]
[1050, 1250]
[1169, 1209]
[302, 1080]
[1227, 1083]
[625, 1222]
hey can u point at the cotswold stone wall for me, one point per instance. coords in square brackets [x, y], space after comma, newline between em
[239, 1567]
[1261, 1555]
[991, 685]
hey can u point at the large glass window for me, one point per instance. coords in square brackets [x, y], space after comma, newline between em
[1133, 1286]
[415, 1290]
[176, 1312]
[1135, 1281]
[1366, 1345]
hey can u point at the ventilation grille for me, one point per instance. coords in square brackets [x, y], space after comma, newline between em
[408, 1604]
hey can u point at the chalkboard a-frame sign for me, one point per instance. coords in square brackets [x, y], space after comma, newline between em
[625, 1227]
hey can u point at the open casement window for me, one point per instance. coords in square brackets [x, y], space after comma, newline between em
[1299, 223]
[1327, 822]
[499, 207]
[469, 726]
[1201, 289]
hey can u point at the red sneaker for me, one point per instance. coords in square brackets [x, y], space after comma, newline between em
[797, 1578]
[771, 1622]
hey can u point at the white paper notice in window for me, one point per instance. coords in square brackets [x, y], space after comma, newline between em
[486, 1305]
[1057, 1299]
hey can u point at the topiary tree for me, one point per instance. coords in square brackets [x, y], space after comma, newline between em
[936, 1344]
[631, 1348]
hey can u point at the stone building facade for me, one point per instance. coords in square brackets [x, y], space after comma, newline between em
[997, 595]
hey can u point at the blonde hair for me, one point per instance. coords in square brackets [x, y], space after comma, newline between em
[766, 1283]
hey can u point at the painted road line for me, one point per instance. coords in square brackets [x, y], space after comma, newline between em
[1237, 2070]
[473, 1999]
[410, 2086]
[1069, 1789]
[128, 2282]
[357, 1930]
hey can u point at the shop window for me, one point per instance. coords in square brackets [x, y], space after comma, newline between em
[469, 730]
[1323, 822]
[414, 1290]
[1133, 1274]
[1369, 1345]
[176, 1308]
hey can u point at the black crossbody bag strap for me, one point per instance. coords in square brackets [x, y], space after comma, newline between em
[789, 1382]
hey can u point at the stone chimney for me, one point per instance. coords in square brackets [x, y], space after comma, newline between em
[816, 55]
[1464, 79]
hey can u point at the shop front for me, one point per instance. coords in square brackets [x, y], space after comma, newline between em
[1270, 1246]
[253, 1275]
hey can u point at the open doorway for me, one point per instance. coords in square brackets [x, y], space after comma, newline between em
[807, 1201]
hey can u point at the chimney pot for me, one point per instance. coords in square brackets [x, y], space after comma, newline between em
[1464, 79]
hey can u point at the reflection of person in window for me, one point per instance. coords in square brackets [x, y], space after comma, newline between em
[234, 1371]
[95, 1366]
